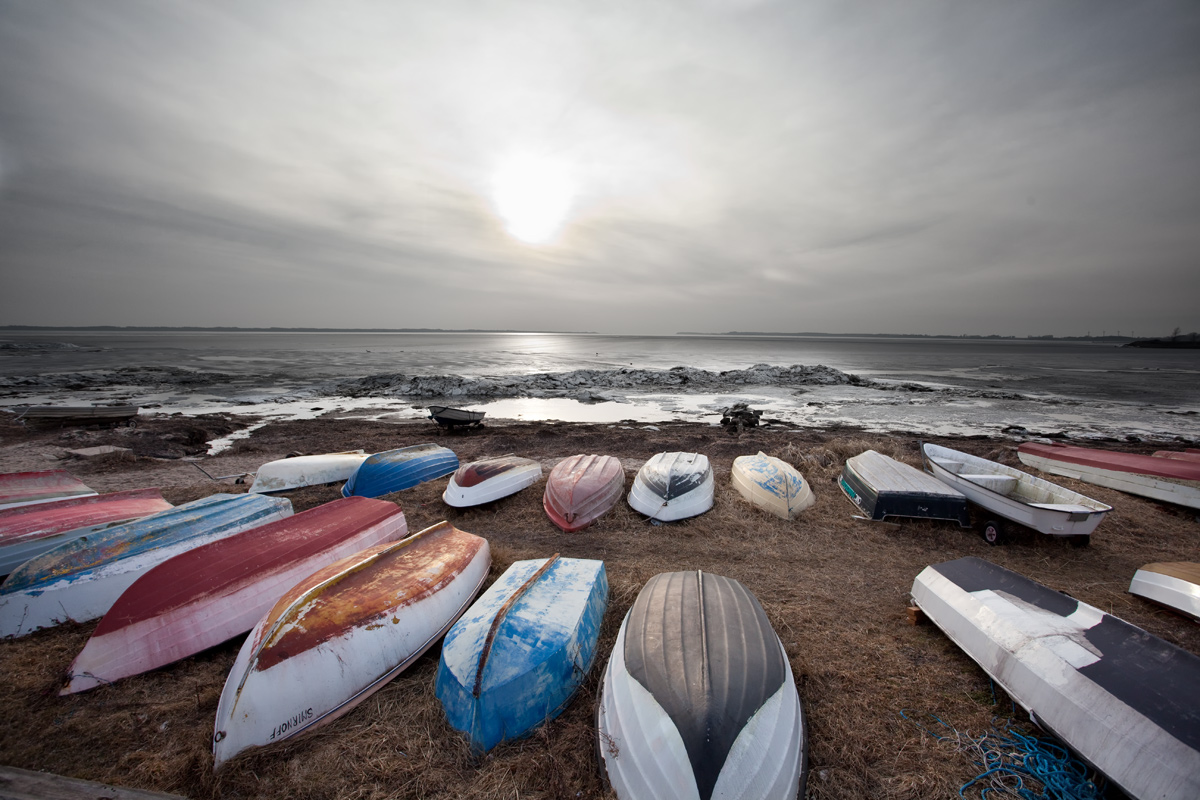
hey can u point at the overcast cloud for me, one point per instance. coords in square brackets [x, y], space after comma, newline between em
[912, 167]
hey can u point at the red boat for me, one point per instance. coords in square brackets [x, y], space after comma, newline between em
[27, 488]
[1167, 479]
[581, 489]
[212, 593]
[1190, 454]
[28, 531]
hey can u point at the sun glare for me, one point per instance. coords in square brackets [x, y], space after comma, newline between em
[533, 196]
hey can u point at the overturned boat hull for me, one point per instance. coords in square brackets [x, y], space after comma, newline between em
[517, 656]
[80, 580]
[342, 633]
[1126, 701]
[771, 484]
[698, 699]
[1167, 479]
[489, 480]
[42, 486]
[673, 486]
[581, 489]
[294, 473]
[1174, 584]
[883, 487]
[29, 531]
[213, 593]
[395, 470]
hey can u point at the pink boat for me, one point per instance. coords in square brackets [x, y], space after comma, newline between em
[29, 531]
[1167, 479]
[581, 489]
[207, 595]
[27, 488]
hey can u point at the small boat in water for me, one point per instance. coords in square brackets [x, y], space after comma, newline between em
[215, 592]
[404, 468]
[581, 489]
[28, 531]
[490, 479]
[339, 635]
[42, 486]
[1018, 496]
[1167, 479]
[698, 699]
[673, 486]
[772, 484]
[1126, 701]
[516, 657]
[1175, 584]
[317, 470]
[455, 417]
[883, 487]
[80, 580]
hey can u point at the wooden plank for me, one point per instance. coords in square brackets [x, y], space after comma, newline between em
[23, 784]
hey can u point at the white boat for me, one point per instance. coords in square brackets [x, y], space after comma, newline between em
[698, 699]
[342, 633]
[1015, 495]
[673, 486]
[1168, 479]
[1124, 700]
[1175, 584]
[490, 479]
[293, 473]
[771, 484]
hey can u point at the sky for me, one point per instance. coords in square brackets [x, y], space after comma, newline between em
[633, 166]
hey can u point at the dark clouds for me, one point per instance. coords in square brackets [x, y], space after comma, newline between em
[910, 167]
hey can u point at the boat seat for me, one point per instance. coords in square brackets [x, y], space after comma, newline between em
[948, 465]
[1003, 484]
[1072, 508]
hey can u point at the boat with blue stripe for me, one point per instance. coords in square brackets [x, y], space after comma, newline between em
[517, 656]
[81, 579]
[404, 468]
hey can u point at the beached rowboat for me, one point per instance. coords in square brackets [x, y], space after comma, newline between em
[42, 486]
[454, 417]
[673, 486]
[404, 468]
[1010, 493]
[698, 699]
[1175, 584]
[581, 489]
[490, 479]
[883, 487]
[1166, 479]
[772, 484]
[318, 470]
[28, 531]
[80, 580]
[517, 656]
[341, 634]
[1126, 701]
[212, 593]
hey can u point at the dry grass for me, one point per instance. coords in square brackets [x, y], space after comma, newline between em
[836, 591]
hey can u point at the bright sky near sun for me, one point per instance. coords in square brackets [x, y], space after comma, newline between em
[642, 167]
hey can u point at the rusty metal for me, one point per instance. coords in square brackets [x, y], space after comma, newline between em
[509, 603]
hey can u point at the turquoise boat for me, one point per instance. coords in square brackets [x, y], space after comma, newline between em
[394, 470]
[518, 655]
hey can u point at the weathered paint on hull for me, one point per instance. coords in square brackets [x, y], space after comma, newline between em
[581, 489]
[489, 480]
[673, 486]
[882, 487]
[771, 484]
[1167, 479]
[534, 658]
[293, 473]
[364, 620]
[28, 531]
[212, 593]
[404, 468]
[80, 580]
[44, 486]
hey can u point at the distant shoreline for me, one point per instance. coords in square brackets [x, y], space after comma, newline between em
[236, 329]
[973, 336]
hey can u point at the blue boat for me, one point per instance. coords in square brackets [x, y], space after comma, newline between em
[81, 579]
[393, 470]
[515, 659]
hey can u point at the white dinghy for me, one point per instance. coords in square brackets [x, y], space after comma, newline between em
[1015, 495]
[771, 484]
[490, 479]
[673, 486]
[1175, 584]
[294, 473]
[1126, 701]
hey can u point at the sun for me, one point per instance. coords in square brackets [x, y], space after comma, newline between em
[533, 195]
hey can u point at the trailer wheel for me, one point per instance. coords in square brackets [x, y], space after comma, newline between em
[993, 532]
[1080, 540]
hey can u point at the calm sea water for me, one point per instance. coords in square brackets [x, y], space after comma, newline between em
[981, 386]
